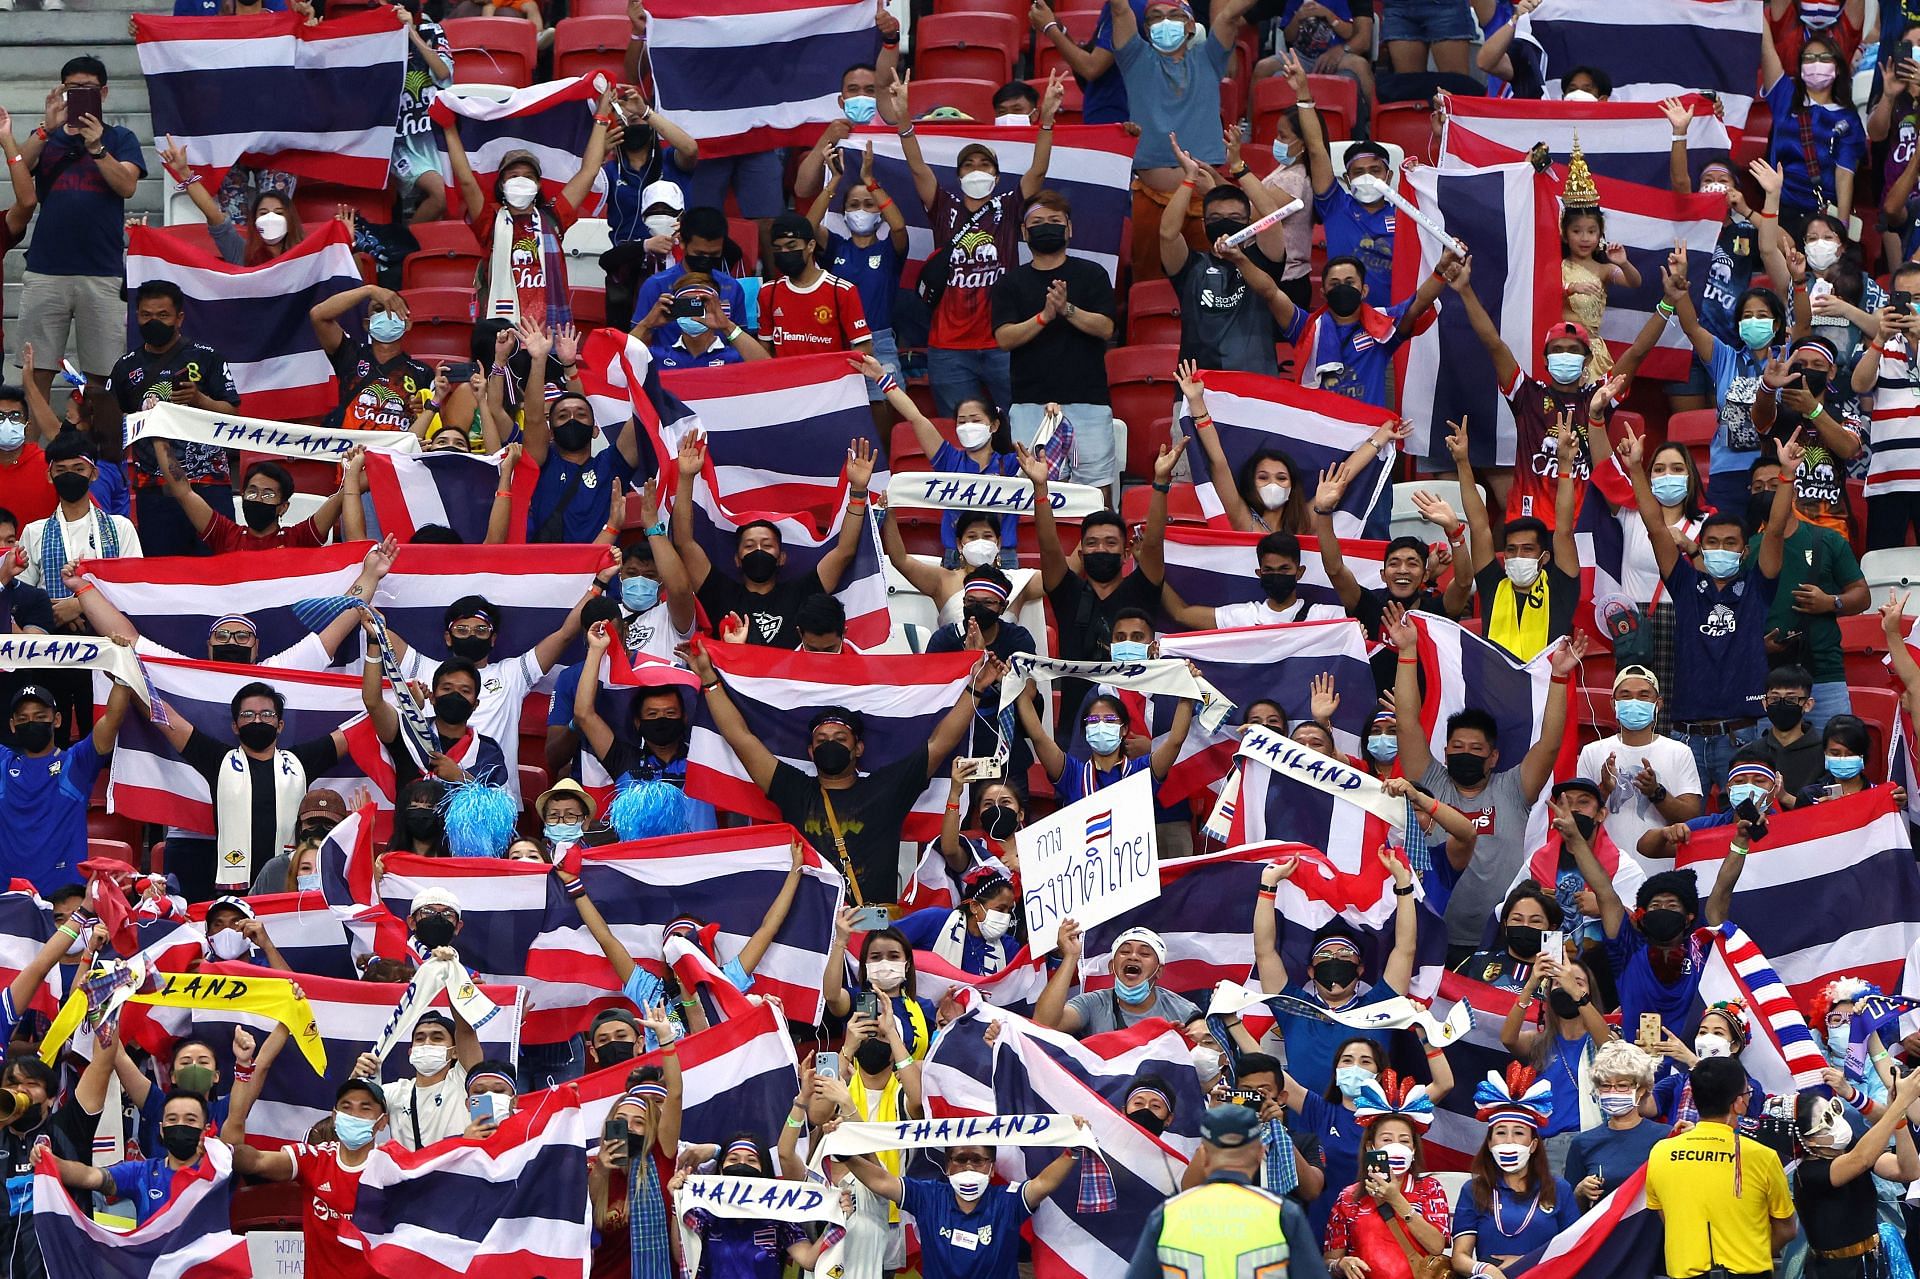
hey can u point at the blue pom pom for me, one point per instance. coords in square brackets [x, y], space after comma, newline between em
[479, 819]
[643, 810]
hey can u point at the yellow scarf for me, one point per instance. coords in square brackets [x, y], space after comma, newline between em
[883, 1108]
[1517, 620]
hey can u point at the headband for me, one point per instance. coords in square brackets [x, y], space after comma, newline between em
[985, 586]
[1818, 348]
[483, 613]
[233, 619]
[985, 886]
[833, 719]
[512, 1087]
[1148, 1090]
[641, 1094]
[747, 1146]
[1152, 940]
[1752, 773]
[1379, 716]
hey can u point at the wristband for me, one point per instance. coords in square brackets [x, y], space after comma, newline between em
[1158, 487]
[708, 688]
[1818, 409]
[656, 529]
[1040, 318]
[1878, 344]
[503, 492]
[72, 933]
[1239, 173]
[1433, 1053]
[83, 588]
[1762, 213]
[40, 132]
[1204, 420]
[902, 1064]
[953, 807]
[1052, 26]
[795, 1123]
[371, 659]
[1665, 308]
[1305, 102]
[242, 1073]
[13, 159]
[907, 132]
[578, 888]
[733, 334]
[1679, 137]
[891, 40]
[1882, 1055]
[1266, 894]
[1563, 679]
[888, 382]
[1046, 128]
[672, 1047]
[1188, 184]
[1403, 892]
[1409, 661]
[611, 528]
[884, 205]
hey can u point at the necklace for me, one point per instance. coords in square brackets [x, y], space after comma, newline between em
[1525, 1221]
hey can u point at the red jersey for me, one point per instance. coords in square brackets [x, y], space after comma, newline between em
[24, 487]
[824, 316]
[223, 534]
[1536, 457]
[325, 1222]
[529, 264]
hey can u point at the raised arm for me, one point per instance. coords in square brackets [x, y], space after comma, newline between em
[1046, 752]
[1034, 180]
[1313, 136]
[1612, 912]
[1565, 504]
[1048, 1179]
[1167, 750]
[1051, 1009]
[952, 728]
[1720, 900]
[691, 460]
[269, 1165]
[925, 184]
[1268, 962]
[581, 183]
[1053, 559]
[1479, 526]
[325, 314]
[1631, 451]
[1773, 542]
[756, 947]
[853, 524]
[1326, 497]
[1415, 755]
[1398, 971]
[1193, 386]
[869, 1172]
[470, 194]
[1536, 768]
[586, 713]
[107, 727]
[1505, 367]
[373, 696]
[759, 761]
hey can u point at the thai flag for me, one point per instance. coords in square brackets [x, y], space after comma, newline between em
[1460, 669]
[1457, 1133]
[903, 696]
[454, 490]
[188, 1238]
[744, 77]
[26, 921]
[1033, 1070]
[1900, 761]
[1652, 49]
[272, 92]
[933, 884]
[1316, 430]
[552, 120]
[1510, 220]
[1100, 826]
[256, 317]
[1016, 988]
[1092, 165]
[512, 1205]
[1783, 1055]
[1832, 891]
[1619, 1236]
[1648, 221]
[1219, 566]
[1624, 141]
[304, 929]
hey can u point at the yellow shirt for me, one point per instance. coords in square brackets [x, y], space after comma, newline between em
[1692, 1174]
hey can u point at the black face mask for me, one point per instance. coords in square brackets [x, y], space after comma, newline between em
[791, 263]
[1217, 227]
[985, 616]
[1815, 380]
[1101, 566]
[832, 758]
[70, 486]
[257, 736]
[433, 931]
[1523, 941]
[663, 732]
[1586, 825]
[759, 566]
[423, 824]
[452, 708]
[472, 648]
[181, 1140]
[618, 1051]
[1331, 974]
[34, 736]
[741, 1170]
[156, 332]
[1279, 586]
[999, 821]
[1663, 927]
[230, 653]
[873, 1056]
[572, 435]
[1046, 237]
[1466, 768]
[636, 144]
[1343, 298]
[1148, 1120]
[260, 516]
[1785, 716]
[1563, 1003]
[705, 263]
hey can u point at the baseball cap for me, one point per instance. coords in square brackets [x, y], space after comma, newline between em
[322, 801]
[34, 693]
[1565, 329]
[434, 1017]
[1359, 149]
[662, 193]
[367, 1086]
[791, 226]
[1582, 784]
[1229, 1127]
[1636, 672]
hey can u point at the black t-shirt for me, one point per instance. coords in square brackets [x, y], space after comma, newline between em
[70, 1130]
[1223, 322]
[1085, 621]
[1371, 609]
[376, 396]
[1833, 1216]
[1061, 363]
[870, 813]
[206, 756]
[140, 373]
[770, 616]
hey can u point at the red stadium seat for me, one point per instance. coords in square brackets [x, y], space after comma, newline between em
[589, 307]
[440, 268]
[308, 476]
[745, 233]
[973, 96]
[442, 321]
[448, 235]
[1336, 100]
[1183, 504]
[1153, 314]
[492, 50]
[939, 36]
[1880, 708]
[1015, 9]
[318, 201]
[118, 849]
[1695, 428]
[584, 45]
[1140, 382]
[1080, 25]
[1407, 125]
[533, 781]
[598, 9]
[115, 828]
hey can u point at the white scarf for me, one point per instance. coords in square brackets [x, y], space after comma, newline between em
[503, 298]
[750, 1199]
[259, 435]
[929, 1134]
[951, 945]
[433, 976]
[78, 652]
[233, 813]
[995, 494]
[1169, 675]
[1289, 759]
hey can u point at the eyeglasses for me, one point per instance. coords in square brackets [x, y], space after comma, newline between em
[479, 631]
[1102, 719]
[11, 416]
[257, 717]
[969, 1161]
[231, 637]
[263, 495]
[1789, 699]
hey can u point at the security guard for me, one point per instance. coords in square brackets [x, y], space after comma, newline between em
[1227, 1227]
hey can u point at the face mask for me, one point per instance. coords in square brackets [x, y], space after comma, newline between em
[1586, 825]
[994, 924]
[1564, 366]
[386, 326]
[1818, 75]
[229, 944]
[1343, 298]
[434, 931]
[999, 821]
[1135, 994]
[1351, 1079]
[1711, 1046]
[1522, 570]
[791, 263]
[984, 616]
[519, 192]
[271, 226]
[1279, 586]
[1563, 1004]
[832, 758]
[612, 1054]
[260, 516]
[1047, 237]
[1274, 496]
[1615, 1104]
[427, 1060]
[70, 486]
[980, 552]
[1721, 564]
[1332, 974]
[1101, 566]
[705, 263]
[572, 435]
[873, 1056]
[1785, 716]
[156, 332]
[972, 434]
[978, 184]
[1845, 767]
[759, 566]
[194, 1079]
[969, 1186]
[1634, 715]
[1756, 332]
[665, 731]
[639, 593]
[1167, 34]
[474, 648]
[1523, 940]
[1508, 1157]
[1466, 768]
[423, 824]
[1282, 153]
[1012, 120]
[563, 832]
[1669, 490]
[1206, 1061]
[354, 1131]
[182, 1141]
[1822, 254]
[1127, 651]
[1148, 1120]
[452, 708]
[230, 652]
[1103, 738]
[691, 327]
[1399, 1157]
[661, 224]
[1218, 227]
[1579, 95]
[886, 974]
[257, 736]
[34, 736]
[1663, 927]
[307, 883]
[12, 434]
[862, 221]
[860, 108]
[1383, 748]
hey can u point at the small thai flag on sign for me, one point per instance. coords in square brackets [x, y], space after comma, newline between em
[1100, 826]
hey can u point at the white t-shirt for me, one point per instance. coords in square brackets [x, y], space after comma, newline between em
[84, 540]
[1629, 813]
[503, 691]
[305, 654]
[652, 632]
[1263, 613]
[441, 1109]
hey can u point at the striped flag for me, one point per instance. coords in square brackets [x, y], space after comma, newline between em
[553, 120]
[256, 317]
[903, 697]
[1316, 430]
[1016, 987]
[188, 1238]
[1510, 220]
[454, 490]
[1219, 566]
[1648, 221]
[1651, 49]
[26, 921]
[1624, 141]
[1783, 1055]
[1091, 164]
[303, 928]
[1457, 1132]
[744, 77]
[1618, 1236]
[1460, 669]
[270, 91]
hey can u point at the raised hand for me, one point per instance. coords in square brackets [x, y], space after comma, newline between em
[1331, 488]
[1435, 509]
[692, 456]
[1324, 700]
[1192, 385]
[1678, 114]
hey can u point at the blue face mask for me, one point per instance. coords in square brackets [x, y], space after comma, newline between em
[691, 327]
[354, 1131]
[1756, 332]
[1669, 490]
[1384, 748]
[1133, 994]
[1282, 153]
[1634, 714]
[1740, 794]
[860, 108]
[1128, 651]
[562, 832]
[639, 593]
[307, 883]
[1167, 34]
[1103, 737]
[1564, 366]
[1721, 564]
[1351, 1079]
[386, 326]
[1845, 767]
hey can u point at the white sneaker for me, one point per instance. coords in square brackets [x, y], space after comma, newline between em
[6, 6]
[50, 5]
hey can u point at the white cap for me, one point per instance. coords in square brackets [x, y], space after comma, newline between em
[662, 192]
[238, 903]
[434, 897]
[1147, 935]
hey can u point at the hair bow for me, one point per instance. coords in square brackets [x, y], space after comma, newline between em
[1522, 1097]
[1390, 1096]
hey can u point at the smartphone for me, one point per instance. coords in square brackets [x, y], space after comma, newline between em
[1378, 1165]
[827, 1065]
[868, 918]
[867, 1005]
[491, 1107]
[689, 306]
[458, 373]
[1554, 942]
[1651, 1031]
[1901, 301]
[980, 767]
[83, 101]
[1746, 811]
[616, 1131]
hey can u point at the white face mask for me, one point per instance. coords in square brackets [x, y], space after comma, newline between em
[661, 224]
[1509, 1156]
[519, 192]
[972, 434]
[427, 1059]
[1522, 570]
[969, 1185]
[1711, 1046]
[271, 226]
[995, 923]
[980, 552]
[1014, 119]
[886, 974]
[862, 221]
[979, 184]
[1822, 254]
[1206, 1061]
[229, 944]
[1579, 95]
[1274, 496]
[1399, 1157]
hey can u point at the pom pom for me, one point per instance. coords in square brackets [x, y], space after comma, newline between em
[479, 819]
[643, 810]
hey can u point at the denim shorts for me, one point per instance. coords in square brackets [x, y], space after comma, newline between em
[1427, 21]
[887, 351]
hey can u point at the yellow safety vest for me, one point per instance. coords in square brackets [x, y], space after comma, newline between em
[1223, 1230]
